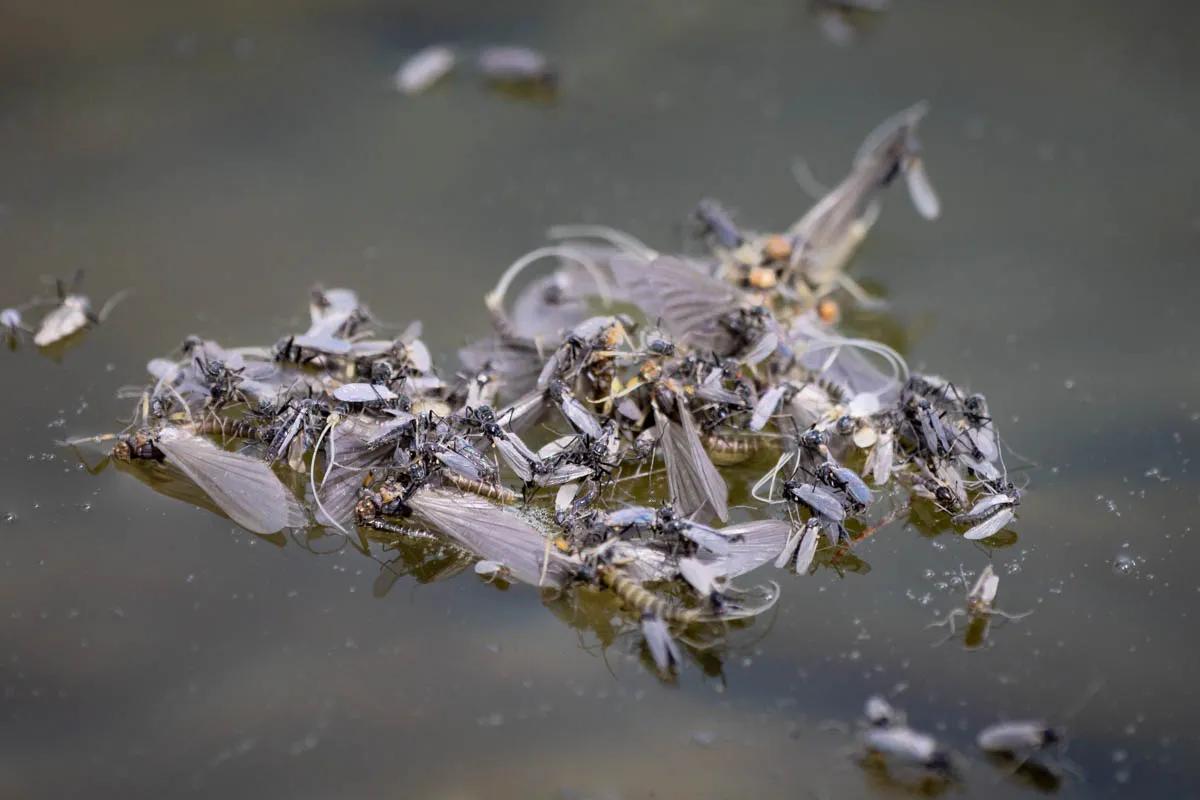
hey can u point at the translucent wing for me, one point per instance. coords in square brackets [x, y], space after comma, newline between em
[363, 393]
[689, 302]
[765, 408]
[808, 547]
[696, 486]
[352, 455]
[243, 487]
[493, 534]
[920, 190]
[752, 544]
[990, 526]
[662, 647]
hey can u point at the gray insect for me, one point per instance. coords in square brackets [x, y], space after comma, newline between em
[424, 69]
[1017, 737]
[846, 479]
[244, 488]
[511, 64]
[817, 500]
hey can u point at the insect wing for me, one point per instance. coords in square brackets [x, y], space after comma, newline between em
[920, 190]
[751, 544]
[695, 484]
[819, 501]
[493, 534]
[363, 393]
[703, 576]
[808, 547]
[244, 488]
[765, 408]
[990, 526]
[518, 459]
[709, 538]
[583, 420]
[662, 647]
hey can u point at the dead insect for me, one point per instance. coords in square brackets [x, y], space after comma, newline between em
[988, 516]
[516, 65]
[1018, 737]
[980, 605]
[718, 224]
[424, 69]
[907, 747]
[72, 314]
[243, 487]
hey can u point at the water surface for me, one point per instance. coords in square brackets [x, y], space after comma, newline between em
[221, 161]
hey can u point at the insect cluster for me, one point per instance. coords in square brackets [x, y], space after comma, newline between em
[585, 442]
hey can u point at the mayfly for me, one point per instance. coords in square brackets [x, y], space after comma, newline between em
[980, 604]
[831, 231]
[243, 487]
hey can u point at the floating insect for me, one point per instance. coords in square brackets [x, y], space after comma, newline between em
[72, 314]
[980, 606]
[424, 69]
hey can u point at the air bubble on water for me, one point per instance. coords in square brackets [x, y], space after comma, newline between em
[1123, 564]
[9, 516]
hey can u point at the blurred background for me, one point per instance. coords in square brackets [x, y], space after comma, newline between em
[220, 158]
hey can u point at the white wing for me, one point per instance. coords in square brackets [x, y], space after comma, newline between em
[243, 487]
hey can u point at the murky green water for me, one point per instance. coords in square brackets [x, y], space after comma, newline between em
[220, 161]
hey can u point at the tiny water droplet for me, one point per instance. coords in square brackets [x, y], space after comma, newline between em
[9, 516]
